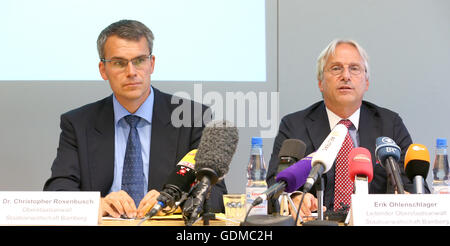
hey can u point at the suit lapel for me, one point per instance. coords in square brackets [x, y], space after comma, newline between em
[318, 126]
[100, 142]
[163, 146]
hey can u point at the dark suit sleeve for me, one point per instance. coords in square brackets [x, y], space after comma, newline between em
[65, 169]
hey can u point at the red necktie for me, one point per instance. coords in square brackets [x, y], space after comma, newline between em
[343, 186]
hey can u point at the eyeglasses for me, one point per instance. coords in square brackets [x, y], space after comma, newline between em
[118, 63]
[338, 70]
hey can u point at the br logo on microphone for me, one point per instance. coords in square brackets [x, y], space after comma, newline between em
[387, 140]
[390, 150]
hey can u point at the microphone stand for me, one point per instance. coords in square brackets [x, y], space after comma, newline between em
[320, 187]
[284, 204]
[396, 175]
[390, 189]
[418, 185]
[319, 192]
[207, 215]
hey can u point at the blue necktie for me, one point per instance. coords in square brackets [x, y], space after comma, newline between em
[133, 172]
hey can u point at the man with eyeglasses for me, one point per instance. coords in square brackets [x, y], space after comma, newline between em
[125, 145]
[343, 79]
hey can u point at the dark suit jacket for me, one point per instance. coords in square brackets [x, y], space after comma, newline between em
[312, 127]
[85, 155]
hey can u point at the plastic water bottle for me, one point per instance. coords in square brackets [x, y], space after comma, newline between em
[441, 184]
[256, 177]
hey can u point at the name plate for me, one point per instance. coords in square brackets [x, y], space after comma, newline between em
[401, 210]
[49, 208]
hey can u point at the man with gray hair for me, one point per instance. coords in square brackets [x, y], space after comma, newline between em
[343, 79]
[126, 145]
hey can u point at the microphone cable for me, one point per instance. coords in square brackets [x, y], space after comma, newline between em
[298, 210]
[142, 220]
[248, 212]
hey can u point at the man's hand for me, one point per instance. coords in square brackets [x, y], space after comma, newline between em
[118, 203]
[147, 203]
[310, 204]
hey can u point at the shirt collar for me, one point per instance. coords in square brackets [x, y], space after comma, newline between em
[145, 111]
[334, 119]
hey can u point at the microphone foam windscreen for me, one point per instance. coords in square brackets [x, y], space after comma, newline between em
[417, 161]
[295, 175]
[386, 147]
[292, 148]
[360, 163]
[217, 147]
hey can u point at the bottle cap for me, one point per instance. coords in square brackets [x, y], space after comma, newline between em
[441, 142]
[257, 141]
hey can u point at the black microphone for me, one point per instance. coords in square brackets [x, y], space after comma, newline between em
[215, 151]
[178, 183]
[291, 151]
[388, 154]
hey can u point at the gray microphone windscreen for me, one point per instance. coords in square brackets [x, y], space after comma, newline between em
[217, 147]
[292, 148]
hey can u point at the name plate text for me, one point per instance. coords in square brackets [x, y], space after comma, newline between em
[49, 208]
[401, 210]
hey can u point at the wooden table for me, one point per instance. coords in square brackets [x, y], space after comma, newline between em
[173, 220]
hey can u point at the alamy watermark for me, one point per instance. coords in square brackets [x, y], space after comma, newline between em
[251, 109]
